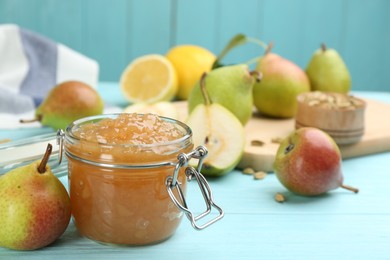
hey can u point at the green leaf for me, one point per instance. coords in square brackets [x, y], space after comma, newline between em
[237, 40]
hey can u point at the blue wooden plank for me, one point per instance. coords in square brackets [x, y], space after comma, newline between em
[283, 22]
[323, 23]
[20, 12]
[115, 32]
[239, 17]
[105, 35]
[47, 17]
[196, 23]
[61, 21]
[149, 27]
[383, 82]
[367, 43]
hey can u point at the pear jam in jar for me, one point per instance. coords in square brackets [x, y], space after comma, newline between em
[118, 166]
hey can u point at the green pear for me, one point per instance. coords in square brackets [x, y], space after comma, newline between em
[275, 96]
[34, 206]
[219, 130]
[308, 163]
[231, 87]
[67, 102]
[327, 71]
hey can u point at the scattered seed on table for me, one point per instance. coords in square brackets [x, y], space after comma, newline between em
[259, 175]
[279, 197]
[5, 140]
[248, 170]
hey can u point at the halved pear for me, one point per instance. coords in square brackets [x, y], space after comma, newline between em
[215, 127]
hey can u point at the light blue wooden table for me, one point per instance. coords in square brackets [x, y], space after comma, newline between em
[338, 225]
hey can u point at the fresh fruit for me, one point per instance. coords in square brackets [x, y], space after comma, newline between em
[34, 206]
[275, 96]
[190, 62]
[231, 87]
[149, 79]
[162, 108]
[327, 71]
[220, 131]
[67, 102]
[308, 162]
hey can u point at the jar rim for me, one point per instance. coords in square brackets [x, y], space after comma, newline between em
[187, 133]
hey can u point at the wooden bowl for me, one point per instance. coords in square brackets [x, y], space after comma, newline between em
[339, 115]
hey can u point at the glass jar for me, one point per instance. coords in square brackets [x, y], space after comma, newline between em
[132, 194]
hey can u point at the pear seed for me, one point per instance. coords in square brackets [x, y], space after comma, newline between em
[259, 175]
[279, 197]
[332, 101]
[249, 171]
[5, 140]
[257, 143]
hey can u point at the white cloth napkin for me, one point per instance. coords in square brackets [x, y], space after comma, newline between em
[30, 65]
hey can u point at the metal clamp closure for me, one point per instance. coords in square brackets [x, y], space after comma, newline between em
[60, 143]
[199, 153]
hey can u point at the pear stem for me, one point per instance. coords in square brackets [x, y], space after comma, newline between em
[206, 96]
[45, 159]
[323, 47]
[256, 74]
[269, 48]
[355, 190]
[38, 118]
[24, 121]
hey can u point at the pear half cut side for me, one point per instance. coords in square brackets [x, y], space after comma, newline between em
[222, 133]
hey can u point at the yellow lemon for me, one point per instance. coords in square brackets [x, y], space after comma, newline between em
[190, 62]
[148, 79]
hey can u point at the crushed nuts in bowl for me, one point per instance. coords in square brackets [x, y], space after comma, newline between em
[340, 115]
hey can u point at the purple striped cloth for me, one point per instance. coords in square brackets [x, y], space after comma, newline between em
[31, 64]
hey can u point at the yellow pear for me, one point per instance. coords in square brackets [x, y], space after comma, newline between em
[34, 206]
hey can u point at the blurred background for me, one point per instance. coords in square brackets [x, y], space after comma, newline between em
[114, 32]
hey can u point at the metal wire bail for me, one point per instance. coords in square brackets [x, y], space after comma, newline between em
[199, 153]
[60, 143]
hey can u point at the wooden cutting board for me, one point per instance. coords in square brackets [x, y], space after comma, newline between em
[376, 138]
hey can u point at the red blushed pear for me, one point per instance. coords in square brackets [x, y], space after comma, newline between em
[275, 95]
[308, 163]
[67, 102]
[34, 206]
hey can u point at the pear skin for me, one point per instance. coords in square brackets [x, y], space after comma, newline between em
[229, 86]
[308, 162]
[67, 102]
[34, 208]
[275, 95]
[327, 71]
[220, 131]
